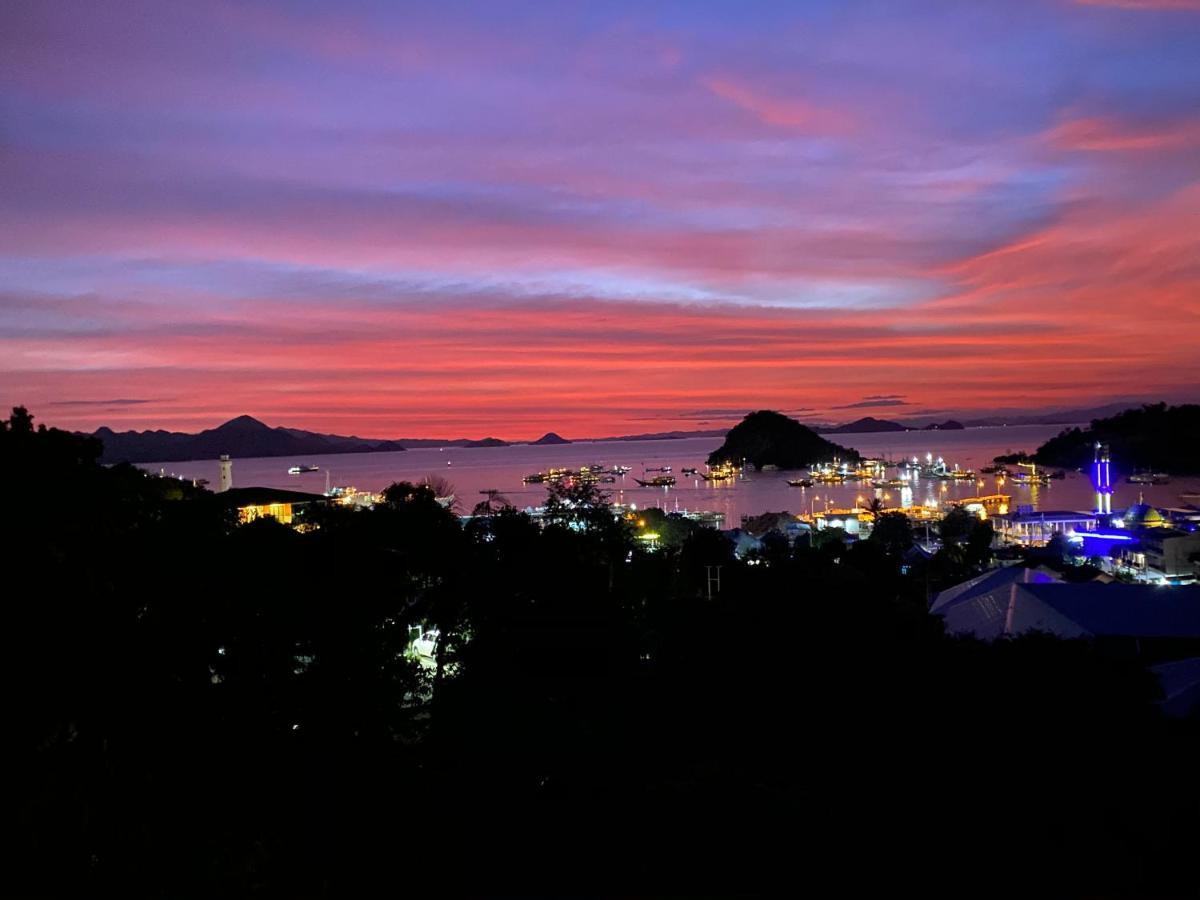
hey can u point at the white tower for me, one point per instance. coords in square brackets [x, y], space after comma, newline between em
[1102, 479]
[226, 473]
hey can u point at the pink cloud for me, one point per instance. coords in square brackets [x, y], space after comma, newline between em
[1100, 134]
[783, 113]
[1144, 4]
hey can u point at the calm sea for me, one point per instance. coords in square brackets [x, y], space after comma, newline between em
[472, 471]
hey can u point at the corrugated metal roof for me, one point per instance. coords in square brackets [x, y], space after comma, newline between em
[990, 610]
[262, 496]
[1128, 610]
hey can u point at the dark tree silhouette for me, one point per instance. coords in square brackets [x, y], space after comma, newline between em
[893, 532]
[201, 708]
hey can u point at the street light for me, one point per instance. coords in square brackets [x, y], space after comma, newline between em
[812, 507]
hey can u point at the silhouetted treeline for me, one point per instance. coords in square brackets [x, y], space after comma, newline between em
[201, 709]
[1159, 437]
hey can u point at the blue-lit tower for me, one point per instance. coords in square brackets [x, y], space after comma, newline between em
[1102, 479]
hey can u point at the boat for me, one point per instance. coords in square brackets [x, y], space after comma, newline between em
[830, 477]
[993, 470]
[620, 470]
[535, 478]
[1033, 476]
[657, 481]
[1149, 478]
[298, 470]
[660, 469]
[887, 483]
[800, 482]
[1029, 478]
[688, 470]
[721, 472]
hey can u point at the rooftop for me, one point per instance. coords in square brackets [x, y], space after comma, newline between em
[1127, 610]
[264, 496]
[1049, 515]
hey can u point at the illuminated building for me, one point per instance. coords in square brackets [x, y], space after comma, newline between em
[1037, 528]
[286, 507]
[1102, 480]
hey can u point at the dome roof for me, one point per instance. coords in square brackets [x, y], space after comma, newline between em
[1143, 515]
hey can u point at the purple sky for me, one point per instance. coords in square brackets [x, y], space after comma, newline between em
[414, 219]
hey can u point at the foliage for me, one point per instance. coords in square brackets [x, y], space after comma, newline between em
[1158, 437]
[893, 532]
[672, 529]
[201, 709]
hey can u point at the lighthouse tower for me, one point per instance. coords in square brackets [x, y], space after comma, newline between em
[1102, 479]
[226, 473]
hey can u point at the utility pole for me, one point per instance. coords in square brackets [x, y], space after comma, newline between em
[712, 580]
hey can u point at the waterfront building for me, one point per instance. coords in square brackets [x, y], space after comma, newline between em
[1034, 529]
[852, 521]
[1165, 554]
[1146, 543]
[286, 507]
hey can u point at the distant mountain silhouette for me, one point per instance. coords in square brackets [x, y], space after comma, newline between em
[867, 424]
[550, 438]
[1059, 417]
[871, 425]
[242, 437]
[487, 442]
[768, 438]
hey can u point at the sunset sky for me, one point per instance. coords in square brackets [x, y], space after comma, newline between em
[446, 219]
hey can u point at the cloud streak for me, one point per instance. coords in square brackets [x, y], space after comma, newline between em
[357, 220]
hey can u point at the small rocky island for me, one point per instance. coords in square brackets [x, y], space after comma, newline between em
[768, 438]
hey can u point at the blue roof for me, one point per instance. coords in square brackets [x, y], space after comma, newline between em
[996, 605]
[988, 582]
[1127, 610]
